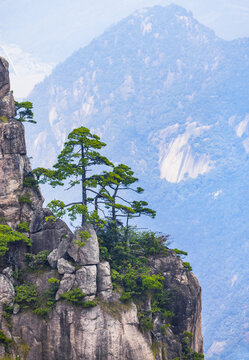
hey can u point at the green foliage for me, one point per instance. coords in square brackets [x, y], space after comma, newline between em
[164, 328]
[23, 227]
[84, 236]
[112, 239]
[41, 311]
[30, 182]
[188, 335]
[24, 112]
[156, 347]
[42, 305]
[50, 218]
[2, 220]
[126, 297]
[187, 352]
[129, 266]
[89, 304]
[7, 311]
[3, 339]
[100, 192]
[152, 282]
[47, 301]
[37, 261]
[24, 349]
[76, 297]
[79, 153]
[7, 235]
[197, 356]
[167, 314]
[15, 274]
[136, 283]
[145, 321]
[26, 295]
[53, 281]
[25, 199]
[180, 252]
[3, 119]
[130, 270]
[162, 301]
[187, 266]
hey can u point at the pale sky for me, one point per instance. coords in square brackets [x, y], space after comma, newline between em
[35, 35]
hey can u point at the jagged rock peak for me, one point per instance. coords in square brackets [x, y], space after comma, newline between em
[7, 105]
[17, 201]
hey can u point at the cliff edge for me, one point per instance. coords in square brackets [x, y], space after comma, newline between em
[57, 299]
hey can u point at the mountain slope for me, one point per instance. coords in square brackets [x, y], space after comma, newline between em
[170, 99]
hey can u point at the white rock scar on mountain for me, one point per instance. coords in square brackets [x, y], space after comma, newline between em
[177, 159]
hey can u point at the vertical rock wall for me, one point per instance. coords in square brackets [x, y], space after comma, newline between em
[7, 106]
[14, 163]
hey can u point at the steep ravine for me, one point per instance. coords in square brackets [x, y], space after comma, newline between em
[102, 328]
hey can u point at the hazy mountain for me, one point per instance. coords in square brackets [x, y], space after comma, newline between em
[171, 100]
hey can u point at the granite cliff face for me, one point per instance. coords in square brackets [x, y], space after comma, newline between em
[101, 327]
[14, 163]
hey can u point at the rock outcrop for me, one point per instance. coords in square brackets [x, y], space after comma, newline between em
[17, 201]
[186, 297]
[101, 328]
[7, 106]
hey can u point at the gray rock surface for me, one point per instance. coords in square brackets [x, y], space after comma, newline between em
[16, 309]
[48, 234]
[89, 253]
[66, 284]
[41, 280]
[83, 334]
[7, 292]
[53, 258]
[187, 298]
[14, 163]
[104, 276]
[86, 279]
[64, 267]
[8, 272]
[7, 107]
[14, 166]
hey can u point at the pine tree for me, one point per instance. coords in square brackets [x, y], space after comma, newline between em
[77, 158]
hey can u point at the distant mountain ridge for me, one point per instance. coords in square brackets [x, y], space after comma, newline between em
[171, 100]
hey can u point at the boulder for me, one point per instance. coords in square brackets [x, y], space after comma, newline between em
[8, 272]
[41, 282]
[89, 253]
[47, 234]
[106, 295]
[104, 276]
[64, 267]
[66, 285]
[53, 258]
[86, 279]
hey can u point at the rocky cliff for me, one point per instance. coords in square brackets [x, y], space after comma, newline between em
[56, 297]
